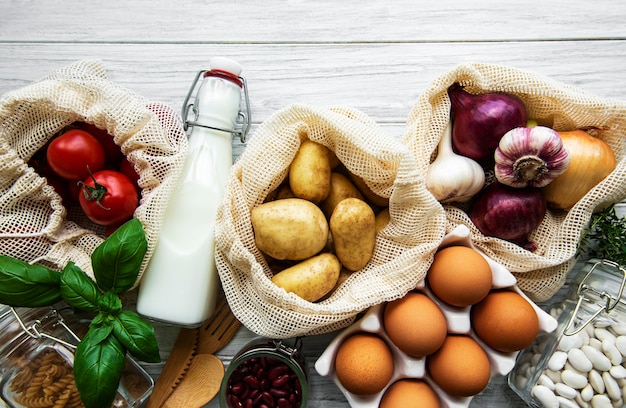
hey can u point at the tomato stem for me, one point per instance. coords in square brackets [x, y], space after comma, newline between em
[95, 193]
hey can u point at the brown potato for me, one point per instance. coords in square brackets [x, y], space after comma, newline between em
[333, 159]
[340, 189]
[382, 219]
[309, 173]
[353, 227]
[312, 278]
[344, 274]
[367, 192]
[291, 228]
[284, 191]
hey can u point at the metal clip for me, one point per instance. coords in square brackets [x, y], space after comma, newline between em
[584, 288]
[34, 329]
[291, 352]
[244, 120]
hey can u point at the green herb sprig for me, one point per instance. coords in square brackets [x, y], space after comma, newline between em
[605, 238]
[99, 356]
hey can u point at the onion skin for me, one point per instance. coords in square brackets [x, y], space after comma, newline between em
[509, 213]
[480, 121]
[591, 160]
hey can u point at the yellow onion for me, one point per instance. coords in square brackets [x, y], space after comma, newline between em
[591, 160]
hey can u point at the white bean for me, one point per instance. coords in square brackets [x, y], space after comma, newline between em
[619, 329]
[595, 379]
[600, 361]
[609, 349]
[566, 403]
[581, 403]
[579, 360]
[545, 396]
[555, 376]
[601, 401]
[573, 379]
[564, 391]
[614, 390]
[620, 343]
[618, 372]
[557, 361]
[567, 343]
[596, 344]
[546, 381]
[587, 393]
[604, 334]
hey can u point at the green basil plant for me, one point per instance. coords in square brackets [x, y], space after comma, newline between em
[100, 355]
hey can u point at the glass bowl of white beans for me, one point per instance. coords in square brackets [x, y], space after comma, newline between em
[583, 362]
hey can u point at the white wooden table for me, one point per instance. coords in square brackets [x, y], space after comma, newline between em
[375, 56]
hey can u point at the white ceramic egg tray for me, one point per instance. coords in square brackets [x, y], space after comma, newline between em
[458, 322]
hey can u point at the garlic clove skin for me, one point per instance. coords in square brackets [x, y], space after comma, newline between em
[530, 157]
[452, 177]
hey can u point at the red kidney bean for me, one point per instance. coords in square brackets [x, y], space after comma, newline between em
[264, 382]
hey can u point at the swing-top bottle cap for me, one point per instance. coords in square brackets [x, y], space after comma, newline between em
[225, 68]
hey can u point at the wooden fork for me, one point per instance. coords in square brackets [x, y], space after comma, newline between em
[209, 338]
[218, 331]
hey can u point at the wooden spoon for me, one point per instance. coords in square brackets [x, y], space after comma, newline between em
[200, 384]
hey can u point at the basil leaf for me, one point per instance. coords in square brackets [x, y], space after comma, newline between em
[110, 303]
[137, 336]
[26, 285]
[78, 289]
[101, 326]
[98, 365]
[116, 262]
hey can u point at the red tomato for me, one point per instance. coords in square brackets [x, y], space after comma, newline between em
[74, 154]
[108, 197]
[112, 152]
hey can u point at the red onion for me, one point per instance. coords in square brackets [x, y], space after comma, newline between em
[509, 213]
[480, 121]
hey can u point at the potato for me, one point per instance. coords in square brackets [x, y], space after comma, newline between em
[340, 189]
[353, 227]
[284, 191]
[382, 219]
[312, 278]
[367, 192]
[333, 159]
[309, 173]
[344, 274]
[291, 228]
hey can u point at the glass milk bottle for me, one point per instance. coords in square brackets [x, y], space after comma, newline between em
[180, 283]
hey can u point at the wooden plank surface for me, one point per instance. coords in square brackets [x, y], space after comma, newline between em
[376, 56]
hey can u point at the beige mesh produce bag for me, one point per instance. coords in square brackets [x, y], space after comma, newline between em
[34, 224]
[403, 251]
[560, 106]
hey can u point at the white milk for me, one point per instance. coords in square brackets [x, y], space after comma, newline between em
[180, 284]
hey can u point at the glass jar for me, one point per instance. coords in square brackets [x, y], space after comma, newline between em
[583, 362]
[267, 372]
[36, 357]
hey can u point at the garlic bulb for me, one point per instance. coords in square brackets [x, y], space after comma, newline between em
[530, 156]
[452, 177]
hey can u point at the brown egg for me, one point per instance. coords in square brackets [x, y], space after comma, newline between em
[364, 363]
[410, 393]
[460, 367]
[415, 324]
[505, 321]
[459, 276]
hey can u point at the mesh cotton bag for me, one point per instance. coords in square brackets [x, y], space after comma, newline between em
[560, 106]
[403, 251]
[34, 224]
